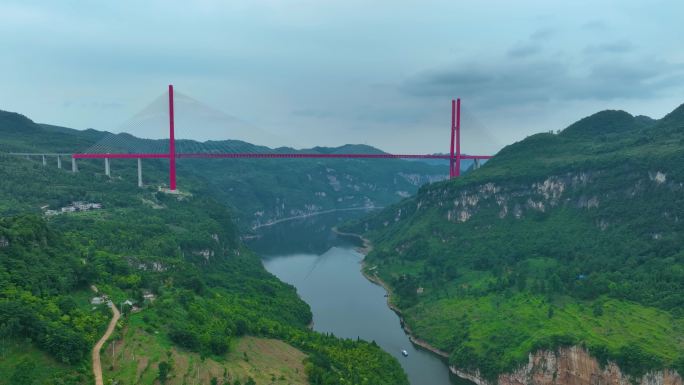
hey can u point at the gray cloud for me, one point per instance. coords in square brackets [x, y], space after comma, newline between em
[621, 46]
[525, 50]
[371, 114]
[595, 25]
[505, 83]
[313, 113]
[390, 115]
[543, 34]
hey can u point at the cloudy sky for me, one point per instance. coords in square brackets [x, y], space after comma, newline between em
[315, 72]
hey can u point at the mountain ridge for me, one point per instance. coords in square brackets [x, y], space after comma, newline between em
[557, 240]
[258, 190]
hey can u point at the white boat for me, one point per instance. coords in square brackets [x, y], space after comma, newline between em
[404, 353]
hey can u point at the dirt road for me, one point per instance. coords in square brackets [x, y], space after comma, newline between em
[97, 366]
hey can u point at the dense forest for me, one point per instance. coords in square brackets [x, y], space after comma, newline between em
[183, 250]
[569, 238]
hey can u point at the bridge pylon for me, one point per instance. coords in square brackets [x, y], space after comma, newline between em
[454, 157]
[172, 143]
[455, 153]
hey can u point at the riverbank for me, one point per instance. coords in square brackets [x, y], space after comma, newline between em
[415, 340]
[543, 366]
[366, 247]
[324, 267]
[374, 278]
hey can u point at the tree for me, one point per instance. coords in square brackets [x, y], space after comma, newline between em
[164, 369]
[597, 309]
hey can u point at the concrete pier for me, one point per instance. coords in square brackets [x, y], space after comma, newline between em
[44, 161]
[59, 161]
[477, 164]
[140, 182]
[107, 171]
[74, 167]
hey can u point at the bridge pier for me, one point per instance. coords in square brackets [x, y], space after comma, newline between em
[107, 171]
[44, 161]
[140, 181]
[476, 165]
[59, 162]
[74, 167]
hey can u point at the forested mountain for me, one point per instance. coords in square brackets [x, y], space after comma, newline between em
[197, 292]
[257, 190]
[568, 239]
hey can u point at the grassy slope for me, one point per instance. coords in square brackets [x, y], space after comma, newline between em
[137, 354]
[14, 354]
[490, 295]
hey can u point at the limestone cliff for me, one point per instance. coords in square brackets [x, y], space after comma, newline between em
[571, 366]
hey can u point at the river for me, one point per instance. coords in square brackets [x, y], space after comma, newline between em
[326, 270]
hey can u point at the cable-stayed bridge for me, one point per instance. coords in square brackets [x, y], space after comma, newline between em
[127, 146]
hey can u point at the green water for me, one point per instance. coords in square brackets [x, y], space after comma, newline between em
[325, 269]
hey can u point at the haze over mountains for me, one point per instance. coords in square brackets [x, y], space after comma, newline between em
[259, 190]
[194, 120]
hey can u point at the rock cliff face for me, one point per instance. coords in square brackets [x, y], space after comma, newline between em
[571, 366]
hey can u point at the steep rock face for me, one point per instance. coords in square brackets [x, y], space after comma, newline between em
[571, 366]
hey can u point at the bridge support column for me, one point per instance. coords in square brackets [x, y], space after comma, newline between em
[476, 165]
[74, 167]
[59, 162]
[140, 182]
[107, 172]
[44, 161]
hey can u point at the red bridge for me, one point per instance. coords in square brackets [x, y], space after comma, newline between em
[454, 156]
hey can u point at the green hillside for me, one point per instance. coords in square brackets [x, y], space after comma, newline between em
[560, 239]
[211, 294]
[257, 190]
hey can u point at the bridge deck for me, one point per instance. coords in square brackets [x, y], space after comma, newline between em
[274, 156]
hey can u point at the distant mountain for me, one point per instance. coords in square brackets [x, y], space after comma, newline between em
[562, 244]
[258, 190]
[20, 134]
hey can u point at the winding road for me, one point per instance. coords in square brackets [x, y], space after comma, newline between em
[97, 366]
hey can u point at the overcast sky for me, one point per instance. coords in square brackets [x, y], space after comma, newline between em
[333, 72]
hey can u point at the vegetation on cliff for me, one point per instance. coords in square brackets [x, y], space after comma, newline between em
[561, 239]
